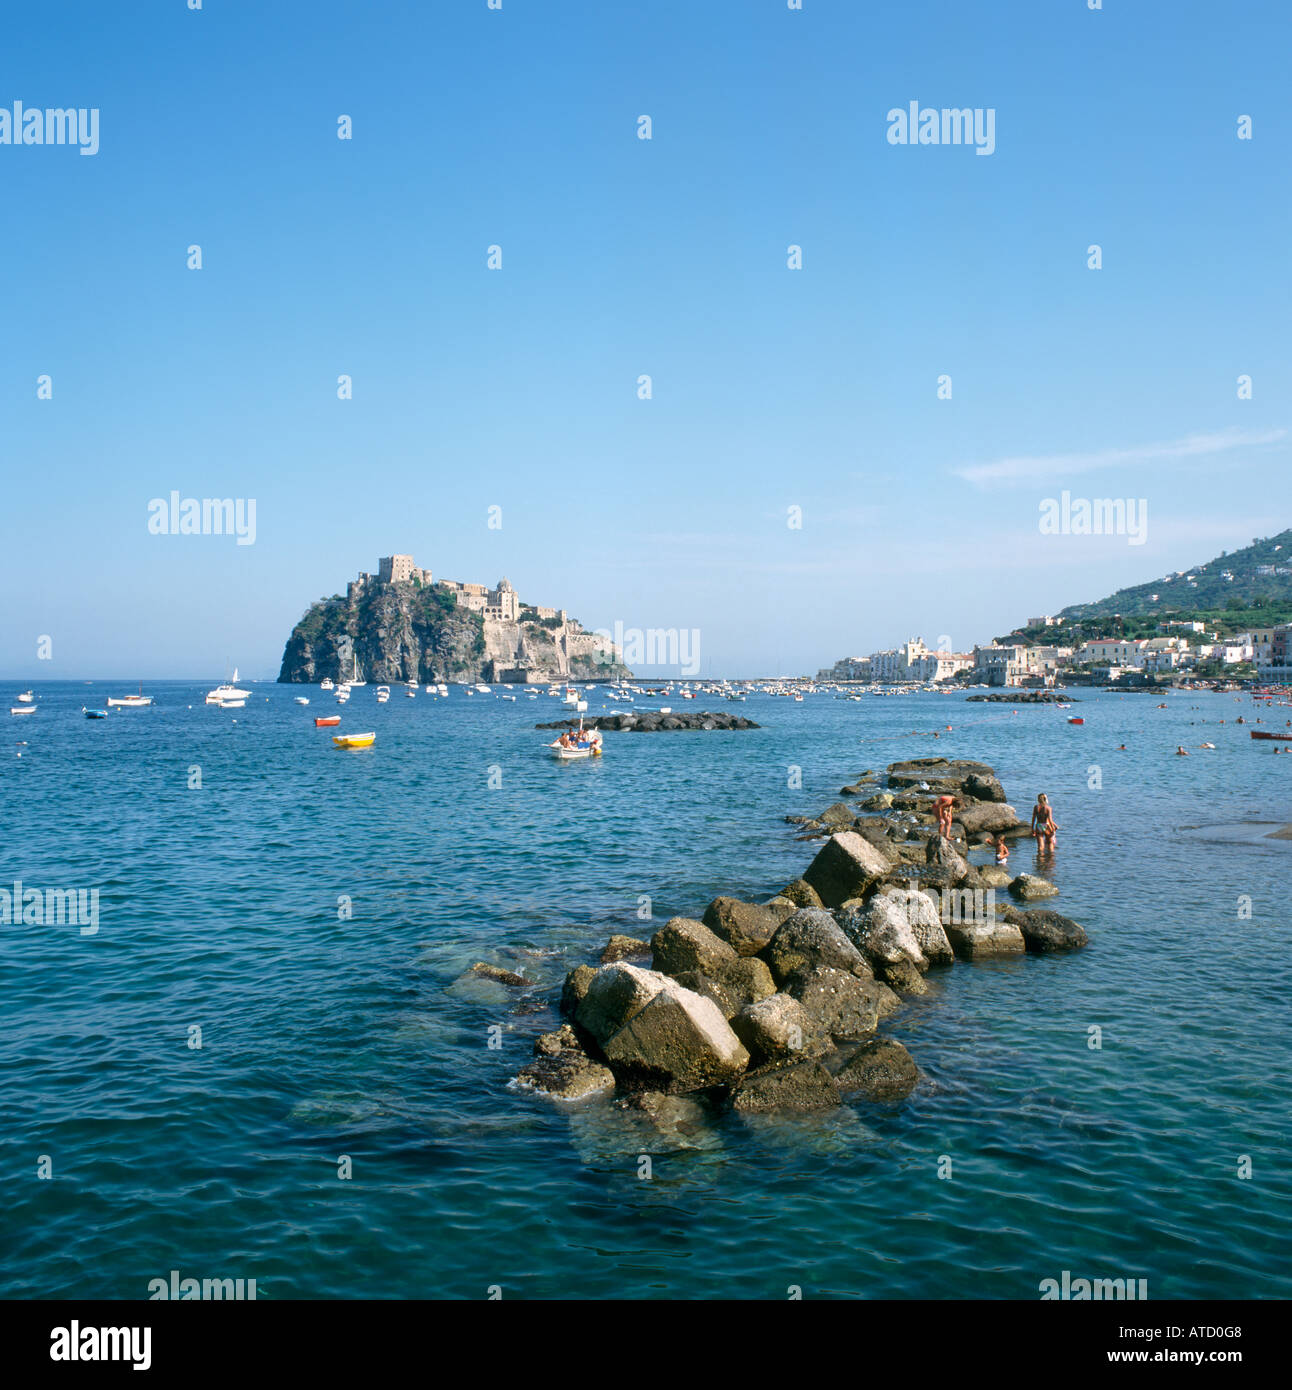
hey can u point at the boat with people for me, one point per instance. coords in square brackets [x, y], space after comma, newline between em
[576, 745]
[354, 740]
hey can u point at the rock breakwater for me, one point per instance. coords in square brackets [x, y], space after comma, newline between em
[776, 1006]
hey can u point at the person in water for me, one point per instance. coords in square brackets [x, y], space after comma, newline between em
[943, 808]
[1181, 752]
[1002, 850]
[1043, 826]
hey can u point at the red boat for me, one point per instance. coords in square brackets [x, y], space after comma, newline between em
[1076, 721]
[330, 719]
[1264, 733]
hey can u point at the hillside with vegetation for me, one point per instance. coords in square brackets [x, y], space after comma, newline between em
[1234, 592]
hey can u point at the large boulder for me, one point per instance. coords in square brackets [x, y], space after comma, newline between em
[811, 937]
[943, 853]
[881, 1069]
[711, 989]
[803, 1086]
[993, 876]
[925, 922]
[678, 1042]
[745, 927]
[839, 1003]
[980, 940]
[614, 995]
[682, 944]
[1044, 930]
[984, 787]
[575, 988]
[745, 980]
[902, 977]
[839, 815]
[847, 866]
[989, 816]
[778, 1029]
[1029, 886]
[883, 933]
[802, 894]
[563, 1070]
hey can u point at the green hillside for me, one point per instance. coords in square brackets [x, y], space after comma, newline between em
[1228, 593]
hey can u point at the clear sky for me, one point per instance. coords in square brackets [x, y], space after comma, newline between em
[517, 388]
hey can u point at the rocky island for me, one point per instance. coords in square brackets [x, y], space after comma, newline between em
[777, 1006]
[401, 625]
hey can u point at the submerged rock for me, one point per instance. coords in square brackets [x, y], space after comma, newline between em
[498, 974]
[881, 1069]
[563, 1070]
[801, 1086]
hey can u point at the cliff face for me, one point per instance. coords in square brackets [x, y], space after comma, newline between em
[402, 632]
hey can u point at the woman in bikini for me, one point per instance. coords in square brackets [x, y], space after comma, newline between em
[1043, 826]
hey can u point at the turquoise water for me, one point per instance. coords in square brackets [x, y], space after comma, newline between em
[323, 1037]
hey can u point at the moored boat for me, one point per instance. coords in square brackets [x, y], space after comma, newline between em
[326, 721]
[94, 713]
[1265, 733]
[26, 698]
[23, 709]
[354, 740]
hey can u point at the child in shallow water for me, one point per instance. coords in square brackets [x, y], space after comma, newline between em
[1002, 850]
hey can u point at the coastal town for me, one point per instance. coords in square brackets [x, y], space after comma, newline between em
[1184, 649]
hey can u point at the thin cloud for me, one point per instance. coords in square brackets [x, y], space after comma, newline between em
[1033, 466]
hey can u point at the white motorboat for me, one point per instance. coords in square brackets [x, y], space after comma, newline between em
[302, 700]
[23, 709]
[587, 744]
[26, 698]
[442, 688]
[326, 683]
[411, 694]
[223, 693]
[234, 704]
[484, 689]
[131, 701]
[383, 694]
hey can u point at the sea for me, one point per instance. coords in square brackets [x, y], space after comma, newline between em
[265, 1062]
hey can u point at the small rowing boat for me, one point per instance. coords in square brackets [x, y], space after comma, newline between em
[1076, 721]
[23, 709]
[354, 740]
[324, 722]
[94, 713]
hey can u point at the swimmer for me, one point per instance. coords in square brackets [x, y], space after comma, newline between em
[1181, 752]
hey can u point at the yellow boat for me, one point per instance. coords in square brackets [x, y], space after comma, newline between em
[354, 740]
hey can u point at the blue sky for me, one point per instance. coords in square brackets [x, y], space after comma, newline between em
[517, 388]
